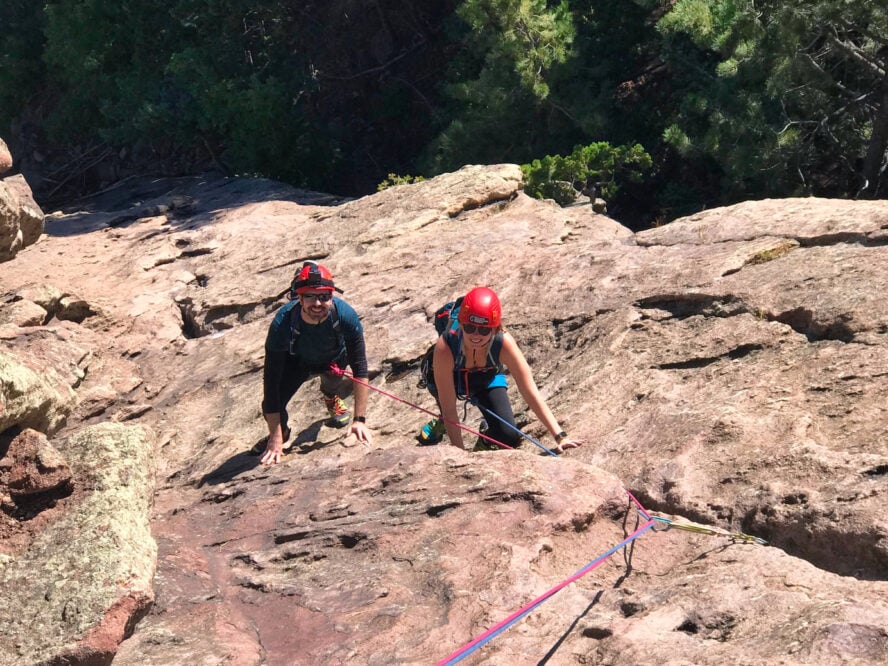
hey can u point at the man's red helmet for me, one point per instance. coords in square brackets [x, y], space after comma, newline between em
[481, 306]
[312, 277]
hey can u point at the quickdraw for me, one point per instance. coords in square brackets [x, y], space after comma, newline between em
[663, 524]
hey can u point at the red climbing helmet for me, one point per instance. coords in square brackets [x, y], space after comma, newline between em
[312, 276]
[481, 306]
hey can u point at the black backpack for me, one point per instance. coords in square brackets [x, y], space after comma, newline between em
[446, 316]
[445, 319]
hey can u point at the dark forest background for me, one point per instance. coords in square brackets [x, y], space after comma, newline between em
[664, 107]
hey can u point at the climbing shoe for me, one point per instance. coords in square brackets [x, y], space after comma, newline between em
[336, 408]
[432, 432]
[482, 444]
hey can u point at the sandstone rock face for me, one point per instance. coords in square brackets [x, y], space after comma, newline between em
[36, 466]
[36, 485]
[728, 369]
[22, 313]
[30, 217]
[5, 157]
[11, 238]
[21, 220]
[74, 594]
[30, 399]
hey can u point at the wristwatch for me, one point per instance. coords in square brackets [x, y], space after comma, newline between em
[560, 437]
[360, 419]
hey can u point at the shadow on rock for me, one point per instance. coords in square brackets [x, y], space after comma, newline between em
[306, 441]
[190, 202]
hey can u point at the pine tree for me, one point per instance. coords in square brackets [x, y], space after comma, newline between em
[788, 97]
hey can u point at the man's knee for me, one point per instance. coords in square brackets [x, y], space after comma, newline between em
[333, 384]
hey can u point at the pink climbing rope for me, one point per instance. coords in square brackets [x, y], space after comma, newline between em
[336, 370]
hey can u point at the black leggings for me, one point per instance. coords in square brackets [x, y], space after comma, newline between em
[496, 400]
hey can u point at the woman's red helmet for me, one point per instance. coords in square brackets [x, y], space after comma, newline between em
[481, 306]
[312, 277]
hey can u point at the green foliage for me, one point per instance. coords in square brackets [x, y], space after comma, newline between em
[497, 91]
[21, 64]
[731, 98]
[721, 25]
[676, 138]
[526, 37]
[598, 168]
[764, 256]
[394, 179]
[214, 74]
[106, 59]
[797, 93]
[312, 92]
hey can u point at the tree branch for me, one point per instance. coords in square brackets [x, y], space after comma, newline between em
[863, 31]
[838, 84]
[373, 70]
[857, 55]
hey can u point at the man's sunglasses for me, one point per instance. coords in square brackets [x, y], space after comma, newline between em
[471, 329]
[321, 298]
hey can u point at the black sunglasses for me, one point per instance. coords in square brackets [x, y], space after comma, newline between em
[471, 329]
[321, 298]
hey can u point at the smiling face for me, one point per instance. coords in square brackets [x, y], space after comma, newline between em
[316, 304]
[476, 336]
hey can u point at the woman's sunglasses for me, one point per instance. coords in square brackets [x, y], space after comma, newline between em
[472, 329]
[321, 298]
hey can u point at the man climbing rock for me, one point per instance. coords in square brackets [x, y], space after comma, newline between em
[313, 334]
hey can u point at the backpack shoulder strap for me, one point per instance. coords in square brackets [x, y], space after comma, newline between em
[452, 323]
[296, 324]
[493, 353]
[454, 343]
[334, 316]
